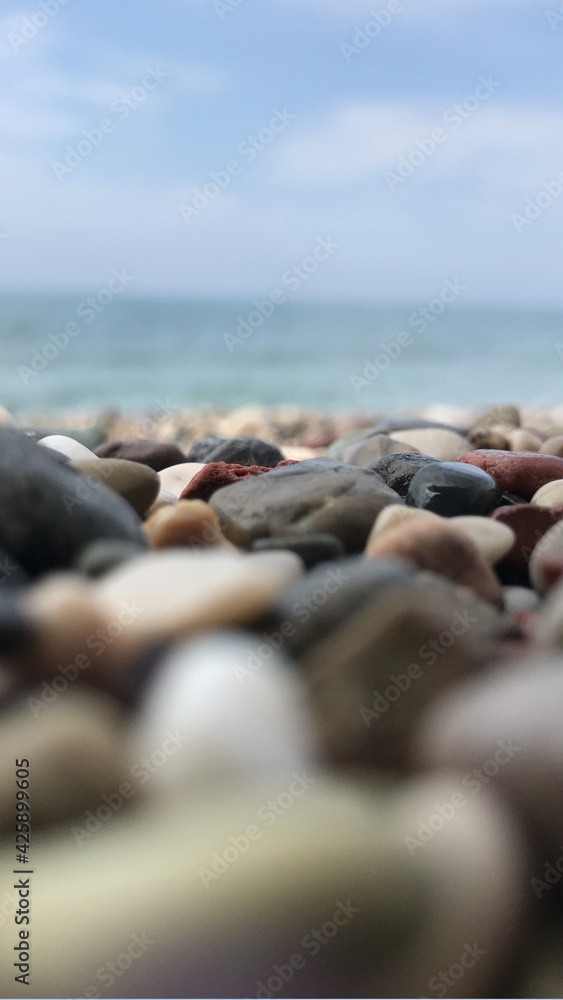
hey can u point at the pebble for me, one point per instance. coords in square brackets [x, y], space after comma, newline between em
[517, 472]
[77, 751]
[392, 516]
[73, 450]
[450, 488]
[529, 524]
[175, 479]
[493, 538]
[187, 524]
[547, 552]
[520, 599]
[399, 470]
[319, 495]
[50, 511]
[550, 495]
[240, 451]
[90, 437]
[504, 415]
[521, 439]
[482, 438]
[312, 549]
[137, 484]
[376, 447]
[179, 592]
[238, 723]
[99, 558]
[442, 445]
[441, 548]
[553, 446]
[507, 725]
[158, 455]
[200, 450]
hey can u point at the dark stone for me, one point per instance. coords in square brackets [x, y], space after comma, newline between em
[157, 455]
[317, 495]
[320, 602]
[450, 488]
[245, 451]
[312, 549]
[200, 450]
[50, 511]
[101, 557]
[395, 424]
[16, 629]
[398, 470]
[529, 523]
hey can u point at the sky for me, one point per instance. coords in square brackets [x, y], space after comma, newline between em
[206, 146]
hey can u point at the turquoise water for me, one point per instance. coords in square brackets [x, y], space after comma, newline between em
[140, 354]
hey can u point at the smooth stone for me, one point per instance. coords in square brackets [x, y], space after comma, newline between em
[529, 524]
[73, 450]
[512, 718]
[553, 446]
[158, 455]
[550, 495]
[180, 592]
[164, 500]
[312, 549]
[450, 488]
[201, 449]
[241, 724]
[99, 558]
[338, 851]
[392, 516]
[316, 605]
[505, 415]
[90, 437]
[548, 549]
[246, 451]
[187, 524]
[521, 439]
[215, 475]
[494, 439]
[75, 638]
[136, 483]
[440, 547]
[398, 470]
[393, 425]
[442, 445]
[341, 447]
[176, 477]
[517, 472]
[373, 449]
[493, 538]
[49, 511]
[520, 599]
[77, 751]
[319, 495]
[371, 679]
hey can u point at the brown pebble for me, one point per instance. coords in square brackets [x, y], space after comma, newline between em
[187, 524]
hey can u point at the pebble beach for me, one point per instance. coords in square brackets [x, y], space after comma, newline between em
[280, 700]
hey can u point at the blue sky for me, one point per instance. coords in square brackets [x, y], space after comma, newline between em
[351, 100]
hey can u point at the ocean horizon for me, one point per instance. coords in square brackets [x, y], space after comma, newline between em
[63, 353]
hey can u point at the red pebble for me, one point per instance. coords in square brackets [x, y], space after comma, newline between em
[529, 523]
[520, 472]
[214, 475]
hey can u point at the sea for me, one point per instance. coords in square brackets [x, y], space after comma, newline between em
[69, 353]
